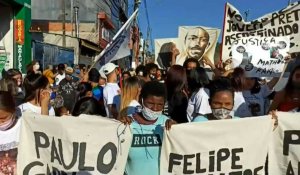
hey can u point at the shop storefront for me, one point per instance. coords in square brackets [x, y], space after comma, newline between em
[15, 39]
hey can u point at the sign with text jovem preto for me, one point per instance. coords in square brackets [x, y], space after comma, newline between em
[284, 22]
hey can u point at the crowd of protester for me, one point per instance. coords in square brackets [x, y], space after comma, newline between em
[148, 99]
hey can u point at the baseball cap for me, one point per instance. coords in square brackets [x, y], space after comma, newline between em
[69, 70]
[102, 74]
[108, 68]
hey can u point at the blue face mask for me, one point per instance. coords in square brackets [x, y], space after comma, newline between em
[77, 71]
[52, 95]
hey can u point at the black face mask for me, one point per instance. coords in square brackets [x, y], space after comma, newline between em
[296, 85]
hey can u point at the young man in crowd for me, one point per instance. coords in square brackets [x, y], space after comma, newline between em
[111, 92]
[67, 89]
[150, 69]
[61, 73]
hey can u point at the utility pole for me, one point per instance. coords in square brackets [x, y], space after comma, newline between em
[146, 45]
[64, 24]
[76, 9]
[134, 56]
[72, 16]
[247, 12]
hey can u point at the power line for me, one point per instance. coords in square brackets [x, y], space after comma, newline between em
[149, 29]
[146, 11]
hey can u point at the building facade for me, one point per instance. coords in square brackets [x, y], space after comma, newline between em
[15, 38]
[83, 28]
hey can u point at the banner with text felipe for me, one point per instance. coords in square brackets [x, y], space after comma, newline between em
[284, 22]
[260, 56]
[82, 145]
[228, 147]
[284, 155]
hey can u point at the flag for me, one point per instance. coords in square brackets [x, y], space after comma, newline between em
[119, 46]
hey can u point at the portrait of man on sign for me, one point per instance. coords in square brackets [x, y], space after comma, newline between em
[197, 42]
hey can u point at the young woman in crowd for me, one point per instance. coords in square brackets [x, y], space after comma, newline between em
[256, 95]
[89, 106]
[150, 70]
[251, 96]
[238, 79]
[147, 125]
[289, 98]
[198, 94]
[9, 131]
[33, 68]
[221, 101]
[8, 117]
[177, 98]
[130, 93]
[125, 75]
[159, 75]
[16, 75]
[37, 95]
[191, 63]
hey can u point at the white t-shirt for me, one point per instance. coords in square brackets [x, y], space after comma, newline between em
[258, 100]
[240, 108]
[111, 95]
[131, 109]
[59, 77]
[198, 104]
[9, 141]
[28, 107]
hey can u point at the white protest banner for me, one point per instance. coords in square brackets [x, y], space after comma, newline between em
[74, 145]
[197, 42]
[284, 154]
[237, 146]
[260, 56]
[284, 22]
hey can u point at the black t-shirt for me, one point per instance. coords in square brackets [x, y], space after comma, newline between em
[67, 89]
[177, 106]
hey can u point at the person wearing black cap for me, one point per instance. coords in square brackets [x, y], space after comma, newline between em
[94, 77]
[97, 91]
[67, 89]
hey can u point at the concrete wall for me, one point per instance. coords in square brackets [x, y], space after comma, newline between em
[6, 34]
[52, 9]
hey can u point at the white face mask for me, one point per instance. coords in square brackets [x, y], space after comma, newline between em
[149, 114]
[4, 126]
[221, 113]
[36, 67]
